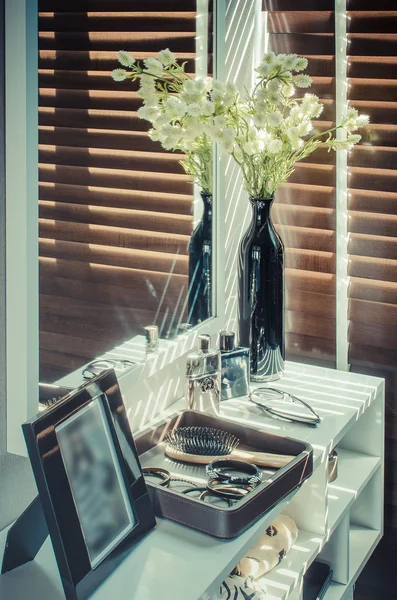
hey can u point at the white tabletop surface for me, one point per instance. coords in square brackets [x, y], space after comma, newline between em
[174, 562]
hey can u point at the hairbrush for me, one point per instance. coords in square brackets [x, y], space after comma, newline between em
[202, 445]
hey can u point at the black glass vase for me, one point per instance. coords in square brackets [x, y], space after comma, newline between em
[261, 294]
[200, 266]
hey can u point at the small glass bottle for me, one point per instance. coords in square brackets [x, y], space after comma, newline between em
[235, 367]
[203, 381]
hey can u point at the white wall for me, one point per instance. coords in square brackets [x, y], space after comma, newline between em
[17, 487]
[242, 31]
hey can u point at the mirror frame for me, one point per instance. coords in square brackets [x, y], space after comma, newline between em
[160, 377]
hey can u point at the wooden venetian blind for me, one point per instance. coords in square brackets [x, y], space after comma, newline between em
[115, 208]
[304, 212]
[372, 71]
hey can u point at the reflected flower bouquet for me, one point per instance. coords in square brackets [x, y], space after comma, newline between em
[178, 106]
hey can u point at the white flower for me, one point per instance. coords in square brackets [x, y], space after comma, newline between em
[153, 66]
[354, 120]
[362, 121]
[302, 81]
[194, 109]
[294, 138]
[261, 94]
[273, 88]
[207, 108]
[193, 127]
[147, 87]
[274, 118]
[304, 128]
[149, 113]
[270, 59]
[230, 92]
[259, 119]
[175, 107]
[163, 119]
[263, 69]
[287, 76]
[218, 91]
[125, 58]
[311, 105]
[250, 148]
[166, 57]
[275, 146]
[346, 144]
[225, 137]
[150, 98]
[220, 122]
[288, 90]
[119, 74]
[193, 90]
[301, 64]
[353, 139]
[289, 62]
[154, 135]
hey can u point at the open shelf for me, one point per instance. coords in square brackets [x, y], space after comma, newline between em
[287, 576]
[354, 472]
[362, 544]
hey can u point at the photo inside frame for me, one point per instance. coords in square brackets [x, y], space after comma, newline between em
[96, 481]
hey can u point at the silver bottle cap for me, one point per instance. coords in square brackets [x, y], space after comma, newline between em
[226, 341]
[204, 342]
[151, 333]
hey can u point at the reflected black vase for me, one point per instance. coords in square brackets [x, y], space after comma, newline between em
[261, 294]
[200, 266]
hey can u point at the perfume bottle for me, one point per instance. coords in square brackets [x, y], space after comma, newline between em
[235, 367]
[152, 339]
[203, 377]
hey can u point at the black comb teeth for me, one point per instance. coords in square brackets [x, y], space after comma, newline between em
[202, 441]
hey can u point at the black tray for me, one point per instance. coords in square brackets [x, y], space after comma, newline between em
[223, 522]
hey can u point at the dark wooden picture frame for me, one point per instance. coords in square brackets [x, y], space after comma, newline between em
[78, 573]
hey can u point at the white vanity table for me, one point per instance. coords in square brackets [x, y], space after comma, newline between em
[342, 521]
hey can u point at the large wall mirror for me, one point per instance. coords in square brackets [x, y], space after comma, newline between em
[125, 239]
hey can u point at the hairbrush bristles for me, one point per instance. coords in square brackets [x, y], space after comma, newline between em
[203, 441]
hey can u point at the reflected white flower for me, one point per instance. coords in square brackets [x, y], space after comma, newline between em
[301, 64]
[125, 58]
[288, 90]
[119, 74]
[302, 81]
[166, 57]
[263, 69]
[289, 62]
[270, 58]
[153, 66]
[149, 113]
[175, 107]
[194, 110]
[207, 108]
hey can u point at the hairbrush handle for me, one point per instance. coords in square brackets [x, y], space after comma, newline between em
[261, 459]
